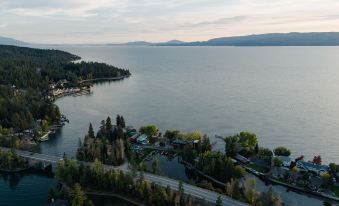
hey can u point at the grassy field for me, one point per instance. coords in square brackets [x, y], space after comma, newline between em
[259, 168]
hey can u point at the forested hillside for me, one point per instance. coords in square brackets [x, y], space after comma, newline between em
[25, 78]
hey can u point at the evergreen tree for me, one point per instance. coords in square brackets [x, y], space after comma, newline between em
[90, 131]
[78, 196]
[122, 121]
[118, 120]
[103, 126]
[108, 125]
[120, 133]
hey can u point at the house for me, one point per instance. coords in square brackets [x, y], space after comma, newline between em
[142, 139]
[131, 133]
[286, 161]
[133, 138]
[311, 167]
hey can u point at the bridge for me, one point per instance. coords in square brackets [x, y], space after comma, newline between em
[192, 190]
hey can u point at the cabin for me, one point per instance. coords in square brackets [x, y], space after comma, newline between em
[133, 138]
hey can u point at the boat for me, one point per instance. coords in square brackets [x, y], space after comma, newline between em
[44, 137]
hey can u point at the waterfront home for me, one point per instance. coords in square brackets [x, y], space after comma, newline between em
[142, 139]
[311, 167]
[133, 138]
[285, 160]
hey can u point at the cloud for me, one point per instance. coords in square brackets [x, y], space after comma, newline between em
[100, 21]
[222, 21]
[41, 8]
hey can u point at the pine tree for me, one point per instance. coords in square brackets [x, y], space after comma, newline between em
[118, 122]
[108, 125]
[122, 122]
[90, 131]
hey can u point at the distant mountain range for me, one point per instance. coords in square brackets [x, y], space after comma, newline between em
[273, 39]
[10, 41]
[145, 43]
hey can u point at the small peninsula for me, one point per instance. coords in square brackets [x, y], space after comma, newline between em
[30, 81]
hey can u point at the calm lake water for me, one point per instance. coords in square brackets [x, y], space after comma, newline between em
[24, 190]
[32, 190]
[286, 95]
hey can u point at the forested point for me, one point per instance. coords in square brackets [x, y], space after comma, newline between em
[27, 77]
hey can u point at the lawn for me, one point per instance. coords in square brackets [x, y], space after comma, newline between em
[259, 168]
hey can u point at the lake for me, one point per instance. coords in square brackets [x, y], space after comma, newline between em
[286, 95]
[25, 190]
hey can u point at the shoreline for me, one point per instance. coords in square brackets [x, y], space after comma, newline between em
[105, 79]
[18, 170]
[266, 179]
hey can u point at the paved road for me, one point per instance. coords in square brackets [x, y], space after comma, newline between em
[194, 191]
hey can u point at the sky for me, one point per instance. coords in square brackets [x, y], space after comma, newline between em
[116, 21]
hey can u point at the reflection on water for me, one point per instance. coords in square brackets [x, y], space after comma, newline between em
[11, 179]
[24, 189]
[286, 95]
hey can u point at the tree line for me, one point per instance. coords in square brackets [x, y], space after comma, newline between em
[10, 161]
[109, 145]
[94, 177]
[25, 77]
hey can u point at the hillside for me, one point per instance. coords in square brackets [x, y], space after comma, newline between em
[25, 78]
[274, 39]
[10, 41]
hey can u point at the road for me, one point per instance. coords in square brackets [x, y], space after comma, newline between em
[192, 190]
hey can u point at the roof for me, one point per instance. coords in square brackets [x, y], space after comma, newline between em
[142, 137]
[313, 166]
